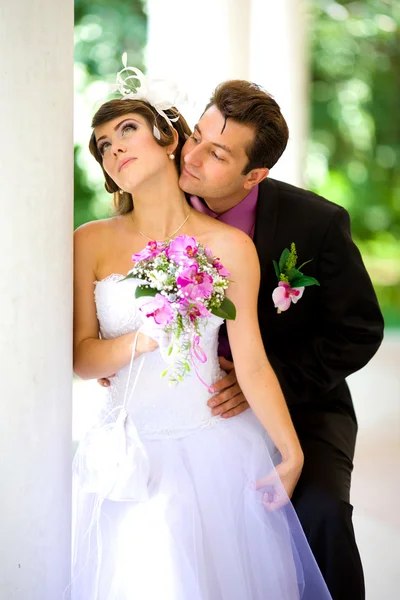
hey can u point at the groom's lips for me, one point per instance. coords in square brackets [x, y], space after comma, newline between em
[189, 173]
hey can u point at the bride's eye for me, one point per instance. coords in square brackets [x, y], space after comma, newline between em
[103, 147]
[128, 128]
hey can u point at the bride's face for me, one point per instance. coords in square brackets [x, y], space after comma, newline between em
[131, 155]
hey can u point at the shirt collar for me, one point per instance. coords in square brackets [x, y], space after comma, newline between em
[243, 212]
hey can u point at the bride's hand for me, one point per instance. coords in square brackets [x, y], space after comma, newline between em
[279, 485]
[145, 344]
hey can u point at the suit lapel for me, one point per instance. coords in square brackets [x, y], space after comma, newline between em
[266, 219]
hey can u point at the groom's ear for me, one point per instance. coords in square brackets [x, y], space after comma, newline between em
[254, 177]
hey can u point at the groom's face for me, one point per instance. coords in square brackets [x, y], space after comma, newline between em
[214, 157]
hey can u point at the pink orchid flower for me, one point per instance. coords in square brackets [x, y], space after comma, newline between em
[193, 310]
[194, 284]
[220, 268]
[152, 250]
[182, 249]
[159, 309]
[208, 253]
[284, 295]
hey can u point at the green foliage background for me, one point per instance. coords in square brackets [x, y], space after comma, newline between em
[354, 153]
[104, 30]
[354, 147]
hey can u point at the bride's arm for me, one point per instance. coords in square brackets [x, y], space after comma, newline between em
[95, 358]
[254, 372]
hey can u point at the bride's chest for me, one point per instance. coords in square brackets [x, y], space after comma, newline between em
[117, 310]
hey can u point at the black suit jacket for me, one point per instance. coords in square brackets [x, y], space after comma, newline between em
[334, 329]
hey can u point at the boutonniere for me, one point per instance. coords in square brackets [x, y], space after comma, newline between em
[291, 280]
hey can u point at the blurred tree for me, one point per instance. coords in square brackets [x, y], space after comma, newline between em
[354, 152]
[104, 30]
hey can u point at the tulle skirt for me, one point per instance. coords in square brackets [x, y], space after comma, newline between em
[202, 533]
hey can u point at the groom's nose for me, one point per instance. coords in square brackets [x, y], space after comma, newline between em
[193, 157]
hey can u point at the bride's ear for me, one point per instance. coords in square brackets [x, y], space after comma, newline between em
[172, 147]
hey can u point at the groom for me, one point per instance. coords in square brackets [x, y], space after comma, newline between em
[331, 332]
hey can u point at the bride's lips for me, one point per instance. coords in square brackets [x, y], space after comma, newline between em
[124, 162]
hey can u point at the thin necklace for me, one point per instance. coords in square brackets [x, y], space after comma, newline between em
[169, 237]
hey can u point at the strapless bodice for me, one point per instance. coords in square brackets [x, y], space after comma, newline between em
[157, 408]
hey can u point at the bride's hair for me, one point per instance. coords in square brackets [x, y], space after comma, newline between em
[123, 203]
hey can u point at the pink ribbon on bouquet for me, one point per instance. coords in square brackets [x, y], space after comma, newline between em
[198, 354]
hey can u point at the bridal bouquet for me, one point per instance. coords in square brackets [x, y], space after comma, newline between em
[183, 285]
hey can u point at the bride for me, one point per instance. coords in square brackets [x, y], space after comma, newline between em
[201, 510]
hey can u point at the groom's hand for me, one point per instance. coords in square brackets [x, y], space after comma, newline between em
[229, 400]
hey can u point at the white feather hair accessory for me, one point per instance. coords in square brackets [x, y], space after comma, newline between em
[161, 94]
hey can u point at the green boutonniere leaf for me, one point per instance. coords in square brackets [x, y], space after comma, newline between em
[294, 274]
[142, 290]
[283, 260]
[277, 272]
[303, 281]
[226, 310]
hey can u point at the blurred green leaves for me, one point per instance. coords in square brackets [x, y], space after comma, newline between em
[104, 30]
[354, 151]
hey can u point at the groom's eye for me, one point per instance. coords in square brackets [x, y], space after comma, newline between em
[192, 137]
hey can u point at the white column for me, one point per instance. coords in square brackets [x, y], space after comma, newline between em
[279, 62]
[36, 199]
[198, 44]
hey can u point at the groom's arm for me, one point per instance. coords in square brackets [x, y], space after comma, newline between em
[349, 326]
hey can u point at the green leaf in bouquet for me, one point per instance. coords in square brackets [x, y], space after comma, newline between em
[226, 310]
[283, 260]
[144, 290]
[129, 276]
[303, 281]
[277, 273]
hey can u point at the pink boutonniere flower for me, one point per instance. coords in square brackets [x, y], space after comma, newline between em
[284, 295]
[291, 280]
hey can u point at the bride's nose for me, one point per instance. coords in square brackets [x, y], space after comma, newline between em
[118, 148]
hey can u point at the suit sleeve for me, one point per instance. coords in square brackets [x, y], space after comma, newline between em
[347, 328]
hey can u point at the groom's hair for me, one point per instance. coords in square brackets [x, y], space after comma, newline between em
[248, 104]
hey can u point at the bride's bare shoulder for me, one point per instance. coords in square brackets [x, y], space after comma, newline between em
[235, 248]
[99, 231]
[224, 239]
[98, 227]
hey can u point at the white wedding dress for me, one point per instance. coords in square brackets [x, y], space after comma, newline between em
[163, 503]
